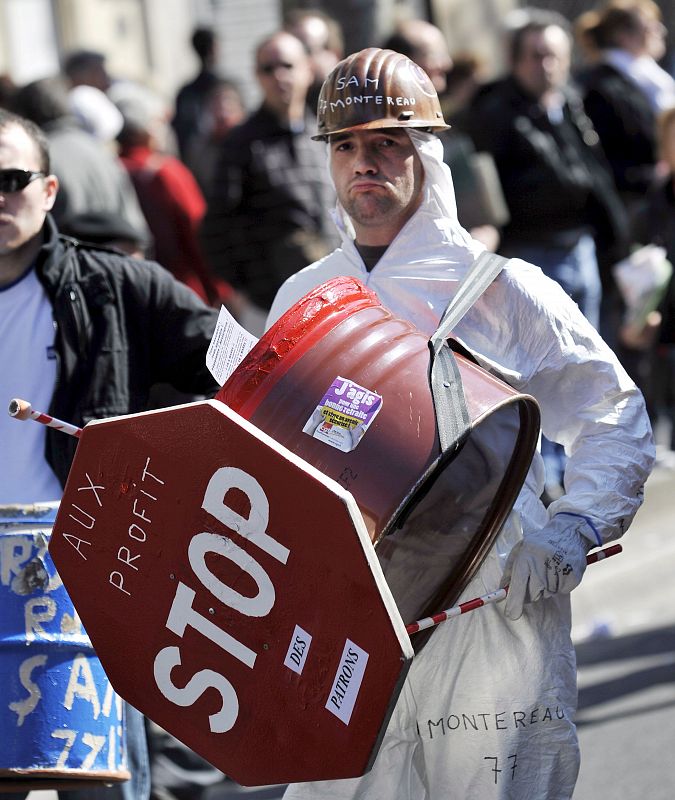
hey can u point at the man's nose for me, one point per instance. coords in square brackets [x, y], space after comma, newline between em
[364, 161]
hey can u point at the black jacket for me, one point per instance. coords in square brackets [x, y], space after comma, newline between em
[268, 211]
[554, 176]
[121, 325]
[625, 123]
[189, 104]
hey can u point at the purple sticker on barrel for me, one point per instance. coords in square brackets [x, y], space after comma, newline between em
[344, 414]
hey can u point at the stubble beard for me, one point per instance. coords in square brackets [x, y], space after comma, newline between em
[369, 211]
[15, 259]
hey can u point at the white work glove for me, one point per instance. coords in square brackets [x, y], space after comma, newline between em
[547, 562]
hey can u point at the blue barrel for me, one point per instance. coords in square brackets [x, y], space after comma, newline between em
[61, 723]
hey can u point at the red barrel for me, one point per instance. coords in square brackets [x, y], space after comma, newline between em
[345, 385]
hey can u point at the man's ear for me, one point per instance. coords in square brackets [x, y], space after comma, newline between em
[51, 190]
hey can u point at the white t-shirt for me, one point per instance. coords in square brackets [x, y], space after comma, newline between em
[28, 371]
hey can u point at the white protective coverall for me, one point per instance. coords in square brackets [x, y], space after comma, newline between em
[487, 709]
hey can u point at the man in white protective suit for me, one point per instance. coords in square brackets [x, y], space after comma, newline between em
[487, 710]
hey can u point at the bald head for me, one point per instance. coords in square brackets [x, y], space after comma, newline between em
[424, 44]
[322, 38]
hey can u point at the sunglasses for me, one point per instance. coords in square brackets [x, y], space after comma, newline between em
[269, 69]
[16, 180]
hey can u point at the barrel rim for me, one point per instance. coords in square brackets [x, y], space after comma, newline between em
[290, 337]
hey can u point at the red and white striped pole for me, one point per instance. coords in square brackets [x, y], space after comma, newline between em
[493, 597]
[22, 409]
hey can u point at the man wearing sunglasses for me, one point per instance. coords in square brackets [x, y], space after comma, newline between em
[267, 214]
[85, 331]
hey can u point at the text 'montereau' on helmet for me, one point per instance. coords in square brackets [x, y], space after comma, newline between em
[377, 89]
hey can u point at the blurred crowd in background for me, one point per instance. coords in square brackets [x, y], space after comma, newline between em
[569, 167]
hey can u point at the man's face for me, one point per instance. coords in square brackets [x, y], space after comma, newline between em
[284, 72]
[544, 61]
[226, 110]
[378, 178]
[22, 213]
[654, 36]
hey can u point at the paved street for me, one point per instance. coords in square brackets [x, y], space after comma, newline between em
[624, 630]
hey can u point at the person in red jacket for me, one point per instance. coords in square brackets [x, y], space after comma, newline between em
[170, 198]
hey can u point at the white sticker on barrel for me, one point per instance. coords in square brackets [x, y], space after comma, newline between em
[347, 681]
[344, 414]
[298, 649]
[230, 343]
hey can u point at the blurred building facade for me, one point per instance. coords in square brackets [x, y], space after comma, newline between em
[148, 40]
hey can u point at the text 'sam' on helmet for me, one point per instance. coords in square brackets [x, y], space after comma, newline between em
[377, 88]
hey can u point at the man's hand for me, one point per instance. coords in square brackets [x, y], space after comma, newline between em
[545, 563]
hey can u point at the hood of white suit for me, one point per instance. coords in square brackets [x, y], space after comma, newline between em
[432, 242]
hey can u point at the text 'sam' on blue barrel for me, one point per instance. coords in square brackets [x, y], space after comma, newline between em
[61, 723]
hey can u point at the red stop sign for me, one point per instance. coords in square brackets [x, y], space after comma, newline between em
[232, 593]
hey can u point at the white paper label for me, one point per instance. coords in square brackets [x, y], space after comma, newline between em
[347, 681]
[298, 649]
[229, 344]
